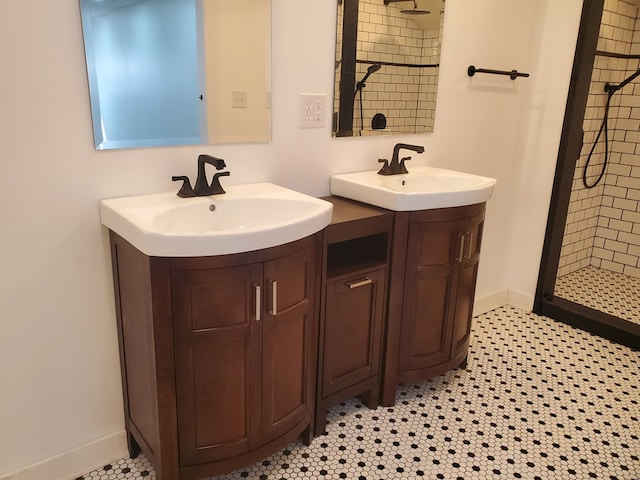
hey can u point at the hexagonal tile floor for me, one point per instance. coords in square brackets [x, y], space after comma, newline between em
[539, 400]
[603, 290]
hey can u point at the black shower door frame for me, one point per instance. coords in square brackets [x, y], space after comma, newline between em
[546, 303]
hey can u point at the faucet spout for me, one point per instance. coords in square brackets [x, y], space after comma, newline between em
[397, 167]
[203, 188]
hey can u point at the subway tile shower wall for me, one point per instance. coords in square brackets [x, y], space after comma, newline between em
[405, 95]
[603, 224]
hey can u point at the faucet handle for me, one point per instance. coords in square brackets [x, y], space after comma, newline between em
[185, 190]
[385, 170]
[403, 168]
[216, 188]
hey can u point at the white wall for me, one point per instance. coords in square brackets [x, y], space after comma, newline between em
[59, 371]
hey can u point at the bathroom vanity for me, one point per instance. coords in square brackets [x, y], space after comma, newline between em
[218, 354]
[236, 338]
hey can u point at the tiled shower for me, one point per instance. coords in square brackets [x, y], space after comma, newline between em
[603, 224]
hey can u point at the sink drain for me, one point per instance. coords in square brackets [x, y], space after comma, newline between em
[212, 207]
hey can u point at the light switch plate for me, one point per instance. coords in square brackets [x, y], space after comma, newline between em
[238, 99]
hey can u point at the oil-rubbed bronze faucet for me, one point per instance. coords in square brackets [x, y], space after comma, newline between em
[203, 188]
[397, 167]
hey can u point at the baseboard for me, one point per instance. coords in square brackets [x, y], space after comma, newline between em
[520, 300]
[498, 299]
[489, 302]
[76, 462]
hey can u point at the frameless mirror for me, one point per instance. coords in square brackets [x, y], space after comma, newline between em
[178, 72]
[387, 65]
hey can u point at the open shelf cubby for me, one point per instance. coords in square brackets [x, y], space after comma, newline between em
[351, 256]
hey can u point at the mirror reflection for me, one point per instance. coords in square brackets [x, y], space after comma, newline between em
[178, 72]
[387, 65]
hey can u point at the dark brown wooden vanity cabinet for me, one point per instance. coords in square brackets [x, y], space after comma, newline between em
[356, 248]
[432, 293]
[218, 354]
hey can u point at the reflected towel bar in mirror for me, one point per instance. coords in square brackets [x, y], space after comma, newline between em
[513, 74]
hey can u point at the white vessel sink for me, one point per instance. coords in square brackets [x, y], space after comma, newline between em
[422, 188]
[246, 217]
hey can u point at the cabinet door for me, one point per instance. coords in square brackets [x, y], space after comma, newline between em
[431, 280]
[288, 326]
[352, 330]
[467, 285]
[218, 360]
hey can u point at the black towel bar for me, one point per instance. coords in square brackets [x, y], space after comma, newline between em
[513, 74]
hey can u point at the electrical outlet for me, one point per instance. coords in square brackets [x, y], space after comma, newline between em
[238, 99]
[313, 110]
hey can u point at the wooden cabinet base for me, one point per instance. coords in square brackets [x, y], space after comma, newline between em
[419, 375]
[174, 471]
[196, 472]
[354, 278]
[432, 287]
[218, 354]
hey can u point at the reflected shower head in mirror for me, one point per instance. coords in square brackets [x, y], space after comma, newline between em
[415, 10]
[372, 69]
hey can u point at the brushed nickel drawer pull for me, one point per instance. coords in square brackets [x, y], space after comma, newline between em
[470, 246]
[274, 297]
[461, 257]
[359, 283]
[258, 301]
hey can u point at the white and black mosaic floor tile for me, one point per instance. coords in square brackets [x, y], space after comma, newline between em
[539, 400]
[602, 290]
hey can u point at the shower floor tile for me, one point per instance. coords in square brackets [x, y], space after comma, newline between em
[602, 290]
[538, 400]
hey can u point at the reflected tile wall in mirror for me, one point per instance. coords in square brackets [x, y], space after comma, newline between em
[404, 89]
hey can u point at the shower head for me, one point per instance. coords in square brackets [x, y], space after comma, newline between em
[372, 69]
[415, 10]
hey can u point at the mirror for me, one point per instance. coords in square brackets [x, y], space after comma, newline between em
[178, 72]
[387, 65]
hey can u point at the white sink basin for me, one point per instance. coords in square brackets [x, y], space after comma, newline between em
[423, 188]
[246, 217]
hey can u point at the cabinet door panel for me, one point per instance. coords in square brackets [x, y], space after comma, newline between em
[286, 342]
[352, 331]
[429, 340]
[467, 286]
[287, 368]
[464, 310]
[225, 306]
[292, 277]
[218, 354]
[220, 392]
[430, 287]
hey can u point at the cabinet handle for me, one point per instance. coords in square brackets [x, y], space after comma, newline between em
[470, 246]
[274, 297]
[258, 301]
[461, 257]
[359, 283]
